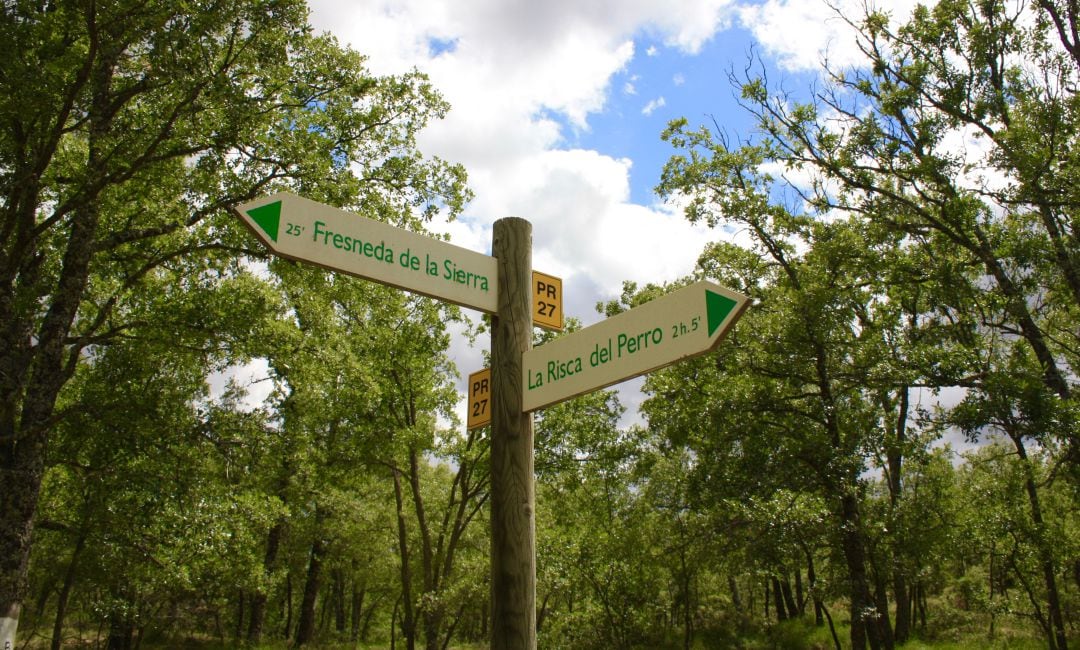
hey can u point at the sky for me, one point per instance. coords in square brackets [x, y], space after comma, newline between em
[557, 111]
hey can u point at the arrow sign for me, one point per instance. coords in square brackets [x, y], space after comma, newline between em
[676, 326]
[307, 231]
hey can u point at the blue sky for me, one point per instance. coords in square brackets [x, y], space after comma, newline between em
[558, 107]
[655, 88]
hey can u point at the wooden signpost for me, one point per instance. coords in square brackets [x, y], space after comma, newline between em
[513, 502]
[682, 324]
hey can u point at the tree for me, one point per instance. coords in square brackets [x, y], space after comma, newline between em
[143, 478]
[995, 222]
[1005, 548]
[127, 128]
[808, 355]
[437, 474]
[326, 387]
[592, 579]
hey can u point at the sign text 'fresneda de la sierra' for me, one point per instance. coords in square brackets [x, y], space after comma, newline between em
[383, 253]
[313, 232]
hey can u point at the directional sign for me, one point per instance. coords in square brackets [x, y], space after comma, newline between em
[307, 231]
[547, 301]
[681, 324]
[479, 399]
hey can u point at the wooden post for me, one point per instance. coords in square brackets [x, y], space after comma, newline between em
[513, 525]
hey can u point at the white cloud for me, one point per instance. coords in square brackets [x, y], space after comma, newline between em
[585, 229]
[514, 69]
[559, 53]
[802, 34]
[515, 72]
[513, 63]
[688, 24]
[653, 104]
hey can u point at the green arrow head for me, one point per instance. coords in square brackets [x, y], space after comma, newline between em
[717, 308]
[267, 217]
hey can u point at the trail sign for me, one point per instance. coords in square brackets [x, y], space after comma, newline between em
[547, 301]
[681, 324]
[479, 399]
[308, 231]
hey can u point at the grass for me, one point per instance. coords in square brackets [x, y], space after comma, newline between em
[791, 635]
[804, 635]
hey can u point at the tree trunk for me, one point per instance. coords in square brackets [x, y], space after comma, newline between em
[922, 606]
[778, 600]
[685, 586]
[433, 611]
[688, 616]
[542, 614]
[789, 600]
[1053, 599]
[832, 628]
[1046, 559]
[121, 635]
[22, 463]
[328, 606]
[257, 616]
[393, 624]
[767, 594]
[339, 602]
[453, 626]
[895, 461]
[733, 587]
[368, 615]
[485, 616]
[239, 630]
[866, 619]
[902, 627]
[48, 586]
[800, 597]
[433, 623]
[357, 612]
[408, 624]
[288, 607]
[65, 593]
[32, 374]
[865, 615]
[811, 577]
[20, 476]
[881, 595]
[914, 603]
[990, 593]
[305, 631]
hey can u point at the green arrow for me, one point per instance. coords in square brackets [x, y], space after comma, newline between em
[267, 217]
[717, 308]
